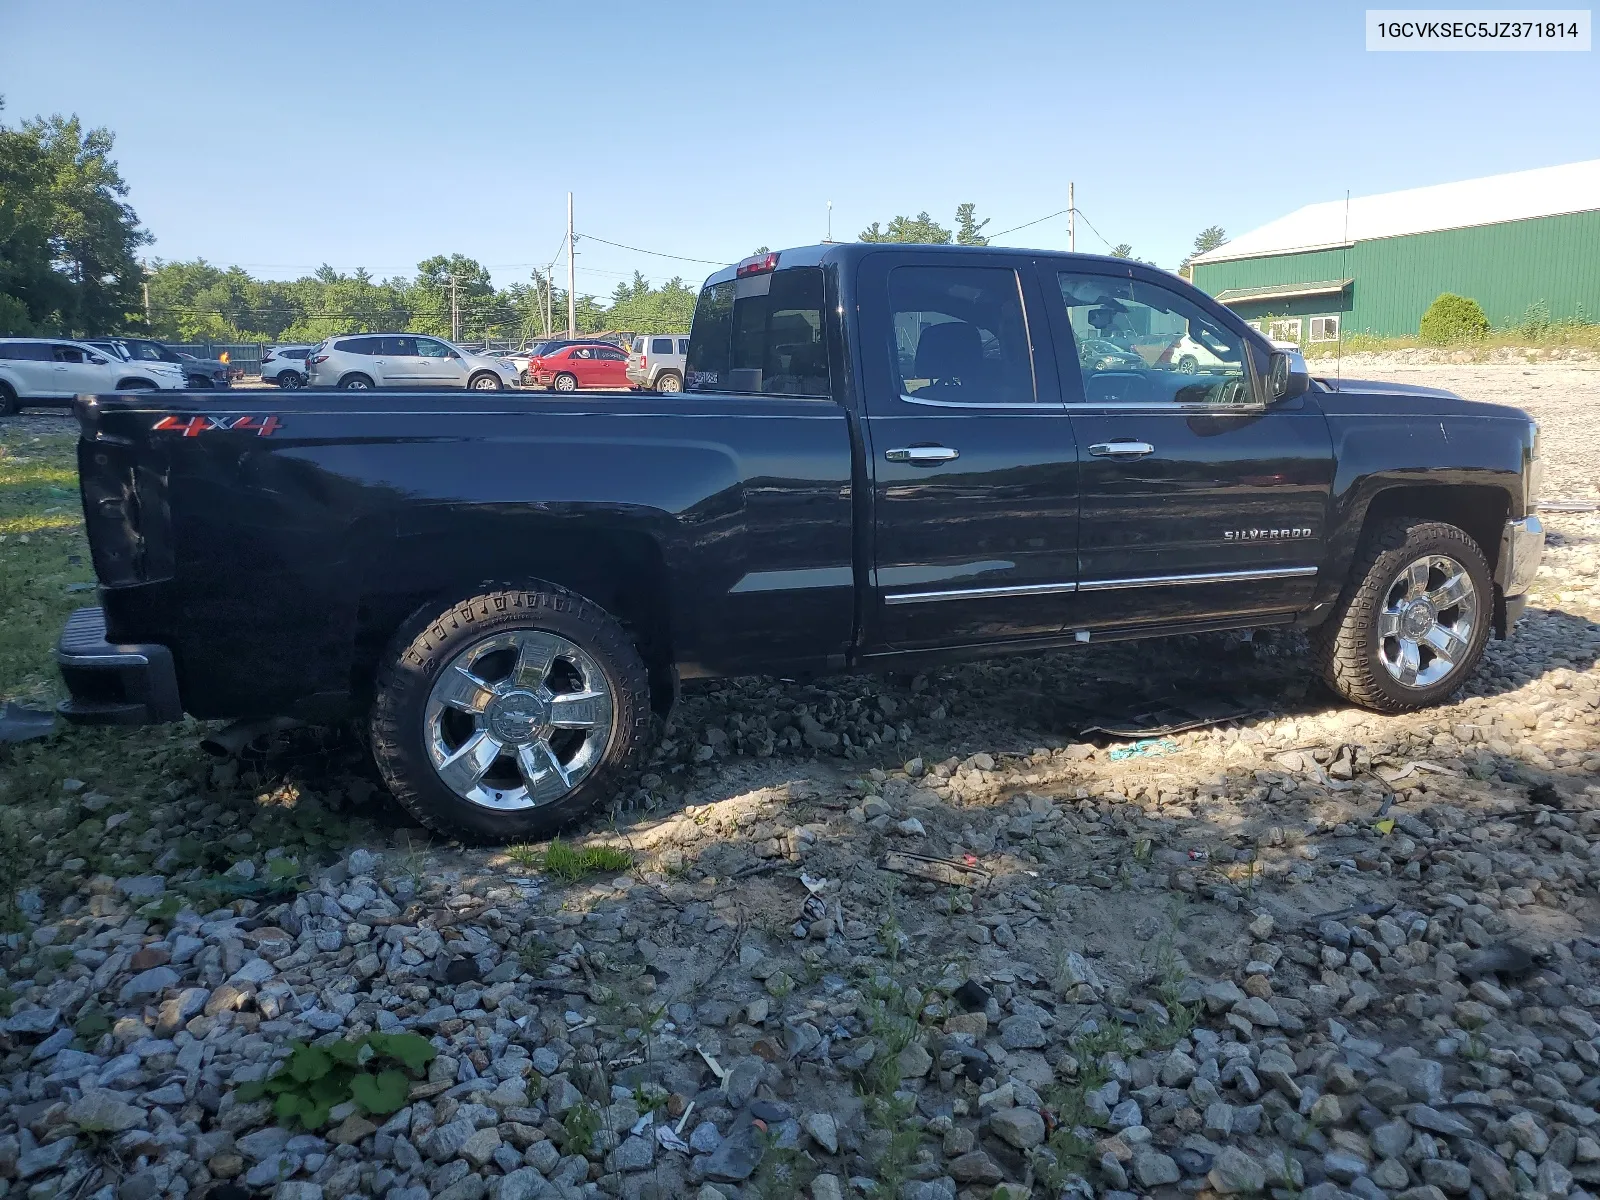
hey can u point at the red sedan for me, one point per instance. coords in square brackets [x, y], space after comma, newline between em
[574, 367]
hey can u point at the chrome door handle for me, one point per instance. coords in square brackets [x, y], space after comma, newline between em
[922, 456]
[1121, 449]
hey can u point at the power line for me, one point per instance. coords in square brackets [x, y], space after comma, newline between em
[1026, 224]
[658, 253]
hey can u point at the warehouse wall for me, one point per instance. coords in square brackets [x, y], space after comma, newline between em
[1506, 268]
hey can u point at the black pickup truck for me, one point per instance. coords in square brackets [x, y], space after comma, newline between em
[882, 456]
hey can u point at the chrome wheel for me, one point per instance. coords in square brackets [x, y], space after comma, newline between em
[1428, 618]
[518, 719]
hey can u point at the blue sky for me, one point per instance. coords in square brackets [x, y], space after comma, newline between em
[375, 135]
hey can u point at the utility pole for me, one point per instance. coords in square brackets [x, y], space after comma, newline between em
[1072, 217]
[455, 311]
[147, 324]
[830, 221]
[572, 277]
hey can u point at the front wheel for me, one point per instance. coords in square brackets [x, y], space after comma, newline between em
[510, 714]
[669, 382]
[290, 380]
[566, 383]
[1188, 364]
[483, 381]
[1411, 623]
[8, 400]
[356, 383]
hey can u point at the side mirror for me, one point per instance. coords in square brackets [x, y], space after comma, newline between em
[454, 355]
[1288, 377]
[97, 360]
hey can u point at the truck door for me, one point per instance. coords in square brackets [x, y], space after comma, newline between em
[973, 464]
[1200, 500]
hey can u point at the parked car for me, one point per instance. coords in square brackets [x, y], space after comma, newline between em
[54, 370]
[1103, 355]
[582, 365]
[372, 360]
[200, 374]
[285, 366]
[656, 361]
[297, 557]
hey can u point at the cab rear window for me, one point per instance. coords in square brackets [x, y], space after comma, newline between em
[763, 334]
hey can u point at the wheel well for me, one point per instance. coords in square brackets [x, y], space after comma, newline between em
[1481, 511]
[133, 384]
[621, 571]
[349, 375]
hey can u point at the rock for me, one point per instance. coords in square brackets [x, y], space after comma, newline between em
[297, 1189]
[1020, 1127]
[479, 1149]
[1177, 1069]
[147, 985]
[1021, 1033]
[823, 1187]
[635, 1154]
[524, 1183]
[914, 1061]
[263, 1143]
[1447, 1175]
[1490, 1173]
[1152, 1168]
[33, 1022]
[1257, 1011]
[1431, 1119]
[1233, 1171]
[1422, 1078]
[975, 1167]
[1524, 1129]
[1221, 996]
[824, 1130]
[100, 1111]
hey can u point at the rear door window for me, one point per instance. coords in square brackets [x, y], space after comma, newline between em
[961, 335]
[361, 345]
[67, 354]
[683, 345]
[398, 347]
[661, 346]
[763, 334]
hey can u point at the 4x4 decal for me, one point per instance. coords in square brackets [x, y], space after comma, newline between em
[195, 426]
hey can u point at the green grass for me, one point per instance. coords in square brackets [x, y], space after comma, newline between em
[1533, 333]
[570, 865]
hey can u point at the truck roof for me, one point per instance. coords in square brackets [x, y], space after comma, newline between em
[846, 252]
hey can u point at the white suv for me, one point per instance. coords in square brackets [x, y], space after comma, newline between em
[405, 360]
[656, 361]
[54, 370]
[285, 366]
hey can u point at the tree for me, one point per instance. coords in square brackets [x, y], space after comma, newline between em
[68, 239]
[640, 308]
[1122, 250]
[969, 230]
[1206, 240]
[921, 229]
[1452, 318]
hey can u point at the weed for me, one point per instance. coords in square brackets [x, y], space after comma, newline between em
[374, 1070]
[890, 1115]
[650, 1097]
[580, 1125]
[536, 956]
[525, 856]
[570, 865]
[784, 1174]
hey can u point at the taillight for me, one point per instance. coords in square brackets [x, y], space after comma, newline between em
[758, 264]
[321, 358]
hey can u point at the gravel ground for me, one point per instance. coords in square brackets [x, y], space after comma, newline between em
[1311, 952]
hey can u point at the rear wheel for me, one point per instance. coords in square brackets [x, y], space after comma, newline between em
[1411, 623]
[484, 381]
[135, 385]
[355, 383]
[566, 383]
[8, 400]
[510, 714]
[290, 380]
[198, 383]
[669, 381]
[1188, 364]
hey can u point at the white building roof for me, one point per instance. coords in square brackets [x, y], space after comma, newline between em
[1518, 196]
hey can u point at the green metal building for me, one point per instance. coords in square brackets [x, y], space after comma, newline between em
[1518, 244]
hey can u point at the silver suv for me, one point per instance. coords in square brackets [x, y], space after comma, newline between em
[407, 360]
[656, 360]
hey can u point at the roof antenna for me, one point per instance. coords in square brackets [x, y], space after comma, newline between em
[1338, 354]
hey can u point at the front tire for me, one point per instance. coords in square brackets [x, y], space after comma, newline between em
[669, 381]
[565, 383]
[135, 385]
[1410, 625]
[1188, 364]
[290, 381]
[510, 714]
[8, 401]
[356, 383]
[484, 381]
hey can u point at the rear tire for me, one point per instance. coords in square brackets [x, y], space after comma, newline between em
[355, 383]
[290, 381]
[565, 383]
[1379, 632]
[1188, 364]
[440, 687]
[135, 385]
[669, 381]
[198, 383]
[8, 401]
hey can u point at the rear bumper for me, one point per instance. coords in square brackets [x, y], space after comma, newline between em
[114, 685]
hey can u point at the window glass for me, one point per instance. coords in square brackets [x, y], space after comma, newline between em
[396, 347]
[147, 352]
[660, 345]
[683, 345]
[761, 334]
[583, 352]
[611, 355]
[1324, 329]
[28, 351]
[1285, 330]
[296, 353]
[360, 345]
[638, 345]
[1140, 343]
[960, 335]
[67, 354]
[428, 348]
